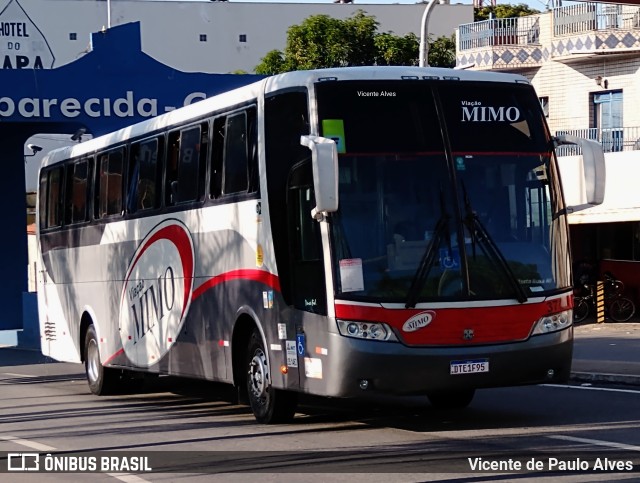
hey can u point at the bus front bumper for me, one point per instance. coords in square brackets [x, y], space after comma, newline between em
[393, 368]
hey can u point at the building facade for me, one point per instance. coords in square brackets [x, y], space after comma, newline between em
[584, 62]
[190, 35]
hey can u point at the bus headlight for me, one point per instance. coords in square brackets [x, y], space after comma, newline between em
[553, 323]
[366, 330]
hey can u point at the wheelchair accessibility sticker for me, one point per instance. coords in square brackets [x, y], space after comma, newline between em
[449, 260]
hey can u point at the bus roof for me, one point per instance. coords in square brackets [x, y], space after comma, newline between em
[247, 93]
[306, 77]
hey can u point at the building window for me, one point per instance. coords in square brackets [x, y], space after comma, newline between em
[203, 37]
[243, 37]
[544, 103]
[607, 118]
[73, 36]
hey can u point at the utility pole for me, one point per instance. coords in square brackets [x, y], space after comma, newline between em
[424, 34]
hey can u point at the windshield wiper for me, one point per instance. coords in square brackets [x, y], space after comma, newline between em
[426, 262]
[489, 247]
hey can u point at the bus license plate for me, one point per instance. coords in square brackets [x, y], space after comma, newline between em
[469, 367]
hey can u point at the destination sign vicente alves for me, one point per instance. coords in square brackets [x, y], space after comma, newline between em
[22, 44]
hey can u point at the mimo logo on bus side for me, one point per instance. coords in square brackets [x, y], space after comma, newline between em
[156, 294]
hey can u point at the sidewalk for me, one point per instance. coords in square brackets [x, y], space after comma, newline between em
[607, 352]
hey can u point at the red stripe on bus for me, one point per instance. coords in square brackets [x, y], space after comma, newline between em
[490, 324]
[401, 154]
[261, 276]
[546, 154]
[113, 356]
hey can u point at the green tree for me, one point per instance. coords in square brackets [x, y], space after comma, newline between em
[394, 50]
[272, 63]
[503, 11]
[321, 41]
[442, 51]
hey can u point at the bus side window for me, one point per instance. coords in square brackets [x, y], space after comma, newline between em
[54, 198]
[205, 146]
[68, 193]
[236, 156]
[108, 184]
[186, 167]
[252, 150]
[217, 154]
[144, 176]
[171, 177]
[42, 199]
[286, 117]
[77, 192]
[309, 292]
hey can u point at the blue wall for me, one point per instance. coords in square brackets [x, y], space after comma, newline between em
[114, 85]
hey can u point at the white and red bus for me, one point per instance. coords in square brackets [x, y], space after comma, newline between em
[344, 232]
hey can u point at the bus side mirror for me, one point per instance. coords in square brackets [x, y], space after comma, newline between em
[324, 159]
[593, 168]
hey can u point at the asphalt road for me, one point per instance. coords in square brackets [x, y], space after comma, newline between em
[189, 431]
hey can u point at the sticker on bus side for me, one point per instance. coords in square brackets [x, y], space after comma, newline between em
[292, 356]
[351, 275]
[157, 292]
[313, 367]
[334, 129]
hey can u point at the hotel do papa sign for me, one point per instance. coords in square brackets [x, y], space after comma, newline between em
[22, 44]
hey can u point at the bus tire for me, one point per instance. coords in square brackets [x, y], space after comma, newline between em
[102, 380]
[269, 405]
[458, 399]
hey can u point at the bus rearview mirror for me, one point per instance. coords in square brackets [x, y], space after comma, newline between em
[324, 159]
[593, 167]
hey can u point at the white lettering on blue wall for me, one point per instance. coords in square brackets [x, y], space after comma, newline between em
[127, 106]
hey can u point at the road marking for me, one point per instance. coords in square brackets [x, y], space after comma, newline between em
[125, 477]
[591, 388]
[27, 443]
[597, 442]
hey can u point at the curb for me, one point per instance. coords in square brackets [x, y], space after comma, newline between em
[625, 379]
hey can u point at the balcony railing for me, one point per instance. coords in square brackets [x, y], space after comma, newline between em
[500, 31]
[612, 140]
[590, 17]
[569, 20]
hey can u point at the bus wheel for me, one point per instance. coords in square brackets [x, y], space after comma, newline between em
[451, 399]
[269, 405]
[102, 380]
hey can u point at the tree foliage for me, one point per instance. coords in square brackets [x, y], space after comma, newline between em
[322, 41]
[442, 52]
[503, 11]
[394, 50]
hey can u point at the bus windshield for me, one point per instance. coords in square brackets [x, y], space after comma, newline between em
[445, 193]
